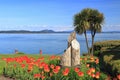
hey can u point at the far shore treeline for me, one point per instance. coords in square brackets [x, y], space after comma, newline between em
[48, 31]
[41, 31]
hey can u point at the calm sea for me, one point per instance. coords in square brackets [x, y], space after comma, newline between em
[48, 43]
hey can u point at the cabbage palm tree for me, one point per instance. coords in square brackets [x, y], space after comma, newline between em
[82, 25]
[88, 20]
[96, 20]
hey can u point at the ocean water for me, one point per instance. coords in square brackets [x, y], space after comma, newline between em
[48, 43]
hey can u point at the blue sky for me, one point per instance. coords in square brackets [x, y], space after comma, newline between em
[54, 14]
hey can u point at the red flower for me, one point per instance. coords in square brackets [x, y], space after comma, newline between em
[85, 59]
[42, 77]
[87, 65]
[52, 57]
[89, 72]
[52, 66]
[51, 74]
[40, 66]
[57, 67]
[23, 65]
[46, 69]
[30, 68]
[76, 69]
[93, 75]
[80, 74]
[80, 59]
[58, 57]
[41, 58]
[118, 76]
[37, 75]
[92, 70]
[55, 71]
[66, 71]
[97, 75]
[97, 61]
[14, 65]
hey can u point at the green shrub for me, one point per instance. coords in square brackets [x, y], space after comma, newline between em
[109, 55]
[107, 44]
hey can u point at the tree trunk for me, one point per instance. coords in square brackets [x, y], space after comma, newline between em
[93, 35]
[87, 42]
[92, 44]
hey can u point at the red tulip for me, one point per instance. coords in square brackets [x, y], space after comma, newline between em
[58, 57]
[30, 68]
[52, 57]
[23, 65]
[97, 61]
[80, 59]
[118, 76]
[52, 66]
[97, 75]
[92, 70]
[80, 74]
[14, 65]
[55, 71]
[42, 77]
[66, 71]
[51, 74]
[57, 67]
[46, 69]
[87, 65]
[37, 75]
[40, 66]
[85, 59]
[76, 69]
[89, 72]
[93, 75]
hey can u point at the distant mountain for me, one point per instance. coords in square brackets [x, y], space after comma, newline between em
[15, 31]
[42, 31]
[111, 32]
[47, 31]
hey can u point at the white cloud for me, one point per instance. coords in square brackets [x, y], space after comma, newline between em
[111, 28]
[36, 27]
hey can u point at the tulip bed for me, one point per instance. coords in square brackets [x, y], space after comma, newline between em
[42, 68]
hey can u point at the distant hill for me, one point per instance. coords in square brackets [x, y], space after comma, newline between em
[42, 31]
[111, 32]
[15, 31]
[47, 31]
